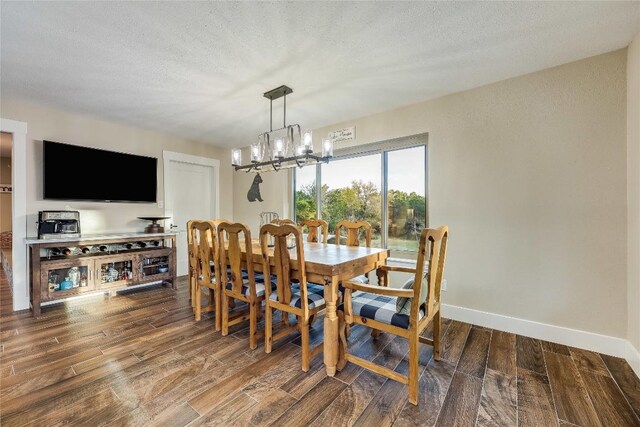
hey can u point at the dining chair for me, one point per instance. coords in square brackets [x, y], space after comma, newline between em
[191, 256]
[301, 299]
[283, 221]
[203, 263]
[404, 311]
[240, 281]
[315, 226]
[352, 232]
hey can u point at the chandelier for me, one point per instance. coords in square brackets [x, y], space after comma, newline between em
[282, 148]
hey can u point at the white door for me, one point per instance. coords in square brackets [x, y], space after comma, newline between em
[191, 188]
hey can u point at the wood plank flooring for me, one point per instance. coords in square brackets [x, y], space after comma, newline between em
[140, 359]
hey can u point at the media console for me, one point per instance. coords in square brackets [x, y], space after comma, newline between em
[65, 267]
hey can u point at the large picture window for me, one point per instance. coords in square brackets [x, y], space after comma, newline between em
[384, 184]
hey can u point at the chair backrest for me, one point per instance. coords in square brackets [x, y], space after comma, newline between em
[231, 256]
[353, 232]
[282, 261]
[283, 221]
[313, 225]
[201, 237]
[190, 249]
[433, 241]
[267, 217]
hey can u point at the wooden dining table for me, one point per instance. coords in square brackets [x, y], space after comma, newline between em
[329, 264]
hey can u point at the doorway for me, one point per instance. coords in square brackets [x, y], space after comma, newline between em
[19, 271]
[191, 191]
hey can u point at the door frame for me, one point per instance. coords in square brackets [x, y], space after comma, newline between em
[169, 156]
[20, 282]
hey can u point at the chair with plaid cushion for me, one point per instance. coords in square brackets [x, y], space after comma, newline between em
[203, 243]
[192, 257]
[240, 282]
[315, 226]
[299, 298]
[403, 312]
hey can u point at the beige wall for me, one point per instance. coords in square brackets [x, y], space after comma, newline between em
[57, 125]
[633, 192]
[275, 191]
[5, 198]
[530, 176]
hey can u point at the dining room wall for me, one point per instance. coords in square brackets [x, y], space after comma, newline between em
[45, 122]
[529, 174]
[633, 197]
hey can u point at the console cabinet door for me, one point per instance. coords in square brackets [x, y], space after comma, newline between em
[56, 276]
[114, 271]
[155, 265]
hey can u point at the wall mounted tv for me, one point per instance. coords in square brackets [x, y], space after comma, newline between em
[72, 172]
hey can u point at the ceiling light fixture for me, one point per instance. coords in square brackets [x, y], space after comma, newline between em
[282, 148]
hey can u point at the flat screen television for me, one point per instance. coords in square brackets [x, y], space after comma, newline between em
[72, 172]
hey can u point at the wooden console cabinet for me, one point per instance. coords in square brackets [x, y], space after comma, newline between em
[99, 264]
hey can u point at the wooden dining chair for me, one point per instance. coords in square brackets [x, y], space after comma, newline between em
[204, 243]
[352, 230]
[240, 282]
[405, 311]
[283, 221]
[301, 299]
[315, 226]
[192, 258]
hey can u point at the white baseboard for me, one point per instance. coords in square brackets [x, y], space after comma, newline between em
[633, 357]
[604, 344]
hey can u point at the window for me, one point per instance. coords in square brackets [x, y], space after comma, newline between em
[383, 184]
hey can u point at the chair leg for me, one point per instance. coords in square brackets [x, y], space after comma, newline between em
[414, 341]
[198, 303]
[437, 323]
[342, 343]
[375, 333]
[225, 316]
[268, 318]
[192, 292]
[305, 344]
[217, 301]
[253, 323]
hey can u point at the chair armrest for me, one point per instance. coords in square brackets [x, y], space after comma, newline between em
[398, 269]
[380, 290]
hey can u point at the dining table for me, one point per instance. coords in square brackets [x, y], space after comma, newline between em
[328, 264]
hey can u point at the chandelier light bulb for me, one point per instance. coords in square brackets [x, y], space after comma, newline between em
[307, 139]
[327, 147]
[236, 157]
[278, 151]
[255, 153]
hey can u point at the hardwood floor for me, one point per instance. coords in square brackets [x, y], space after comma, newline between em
[141, 359]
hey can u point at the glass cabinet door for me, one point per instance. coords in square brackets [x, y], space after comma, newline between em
[66, 278]
[155, 264]
[116, 271]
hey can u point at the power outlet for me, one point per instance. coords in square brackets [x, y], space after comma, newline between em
[444, 285]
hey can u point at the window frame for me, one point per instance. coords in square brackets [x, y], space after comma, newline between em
[383, 148]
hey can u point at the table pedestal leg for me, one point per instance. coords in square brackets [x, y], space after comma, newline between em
[331, 327]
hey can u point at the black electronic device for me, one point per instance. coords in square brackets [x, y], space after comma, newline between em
[73, 172]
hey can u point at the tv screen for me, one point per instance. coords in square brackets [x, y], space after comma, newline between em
[72, 172]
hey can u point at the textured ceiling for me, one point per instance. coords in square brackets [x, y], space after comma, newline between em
[199, 69]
